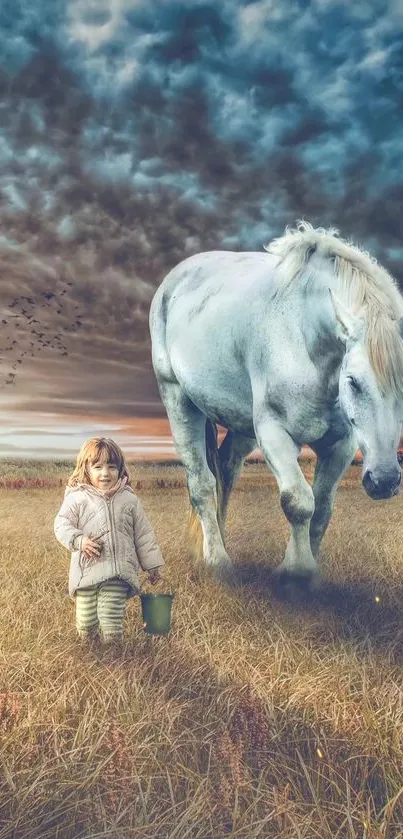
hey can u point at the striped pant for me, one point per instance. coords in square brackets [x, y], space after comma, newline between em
[102, 605]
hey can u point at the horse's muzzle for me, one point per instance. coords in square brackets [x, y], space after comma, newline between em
[383, 487]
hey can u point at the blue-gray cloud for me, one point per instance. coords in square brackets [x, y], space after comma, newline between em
[136, 132]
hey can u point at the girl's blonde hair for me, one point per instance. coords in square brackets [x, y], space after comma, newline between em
[98, 450]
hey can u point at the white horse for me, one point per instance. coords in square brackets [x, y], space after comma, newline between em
[300, 344]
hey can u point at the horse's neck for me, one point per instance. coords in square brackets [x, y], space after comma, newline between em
[319, 330]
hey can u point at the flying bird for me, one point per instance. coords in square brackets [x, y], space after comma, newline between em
[39, 341]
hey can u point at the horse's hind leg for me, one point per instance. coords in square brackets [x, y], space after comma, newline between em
[333, 460]
[232, 452]
[296, 496]
[188, 432]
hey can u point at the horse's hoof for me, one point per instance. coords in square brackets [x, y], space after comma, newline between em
[223, 569]
[293, 586]
[314, 582]
[228, 576]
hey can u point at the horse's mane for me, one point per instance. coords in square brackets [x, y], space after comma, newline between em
[363, 284]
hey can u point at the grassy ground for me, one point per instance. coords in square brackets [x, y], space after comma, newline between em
[255, 717]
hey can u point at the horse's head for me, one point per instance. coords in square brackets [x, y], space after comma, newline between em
[374, 411]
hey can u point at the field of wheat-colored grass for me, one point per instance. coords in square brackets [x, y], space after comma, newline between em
[255, 718]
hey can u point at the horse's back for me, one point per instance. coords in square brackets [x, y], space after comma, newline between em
[206, 292]
[224, 269]
[208, 285]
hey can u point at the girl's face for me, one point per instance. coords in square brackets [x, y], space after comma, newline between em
[103, 475]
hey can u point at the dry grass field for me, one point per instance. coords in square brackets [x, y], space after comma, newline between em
[255, 717]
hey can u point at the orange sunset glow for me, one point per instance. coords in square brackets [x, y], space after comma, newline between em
[50, 435]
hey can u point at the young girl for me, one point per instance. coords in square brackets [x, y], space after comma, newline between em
[104, 524]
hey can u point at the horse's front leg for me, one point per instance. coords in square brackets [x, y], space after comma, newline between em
[296, 496]
[333, 460]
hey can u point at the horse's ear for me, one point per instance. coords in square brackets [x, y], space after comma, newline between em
[347, 325]
[401, 327]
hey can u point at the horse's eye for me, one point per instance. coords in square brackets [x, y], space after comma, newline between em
[354, 384]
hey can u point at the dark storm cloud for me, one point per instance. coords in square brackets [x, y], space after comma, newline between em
[78, 334]
[242, 106]
[135, 133]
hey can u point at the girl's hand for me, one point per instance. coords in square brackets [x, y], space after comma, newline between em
[154, 576]
[90, 547]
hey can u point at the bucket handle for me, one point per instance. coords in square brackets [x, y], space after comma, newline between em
[156, 588]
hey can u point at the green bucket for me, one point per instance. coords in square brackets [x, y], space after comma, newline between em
[156, 609]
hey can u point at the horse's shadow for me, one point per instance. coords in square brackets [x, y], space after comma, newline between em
[368, 615]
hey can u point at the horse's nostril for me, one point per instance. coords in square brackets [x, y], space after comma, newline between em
[368, 481]
[382, 487]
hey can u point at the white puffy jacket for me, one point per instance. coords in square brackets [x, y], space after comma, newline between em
[127, 540]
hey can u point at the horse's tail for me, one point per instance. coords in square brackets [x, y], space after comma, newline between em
[194, 528]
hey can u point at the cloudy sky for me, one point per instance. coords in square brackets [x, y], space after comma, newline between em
[134, 133]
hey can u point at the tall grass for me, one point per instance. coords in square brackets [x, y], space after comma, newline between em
[255, 717]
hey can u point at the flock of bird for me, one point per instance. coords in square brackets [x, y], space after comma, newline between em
[25, 321]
